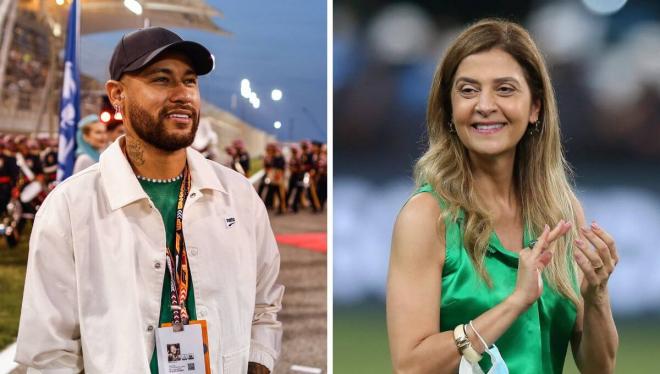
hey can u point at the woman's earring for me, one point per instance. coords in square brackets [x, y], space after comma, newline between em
[534, 128]
[452, 127]
[118, 108]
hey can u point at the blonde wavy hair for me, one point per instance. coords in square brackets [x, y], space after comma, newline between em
[541, 171]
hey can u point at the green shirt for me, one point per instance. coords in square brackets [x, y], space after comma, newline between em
[537, 340]
[165, 197]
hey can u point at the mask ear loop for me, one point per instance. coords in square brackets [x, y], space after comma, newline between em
[479, 336]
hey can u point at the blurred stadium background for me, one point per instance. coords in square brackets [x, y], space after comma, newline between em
[603, 56]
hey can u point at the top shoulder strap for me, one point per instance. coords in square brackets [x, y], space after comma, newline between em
[428, 188]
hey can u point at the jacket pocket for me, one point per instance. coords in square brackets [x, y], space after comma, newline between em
[236, 362]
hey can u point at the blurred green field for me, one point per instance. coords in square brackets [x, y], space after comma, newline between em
[12, 278]
[360, 343]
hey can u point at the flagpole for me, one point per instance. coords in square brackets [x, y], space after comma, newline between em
[70, 102]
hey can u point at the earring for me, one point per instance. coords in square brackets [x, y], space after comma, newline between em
[118, 108]
[452, 127]
[534, 128]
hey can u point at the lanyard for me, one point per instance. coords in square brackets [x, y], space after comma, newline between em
[177, 264]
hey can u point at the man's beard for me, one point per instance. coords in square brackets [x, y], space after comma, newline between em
[152, 130]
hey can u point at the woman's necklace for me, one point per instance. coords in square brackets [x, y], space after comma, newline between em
[154, 180]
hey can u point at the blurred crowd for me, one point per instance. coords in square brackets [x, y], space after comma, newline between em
[295, 176]
[27, 65]
[28, 169]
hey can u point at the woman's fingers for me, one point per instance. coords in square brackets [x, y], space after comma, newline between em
[558, 231]
[593, 256]
[544, 259]
[601, 247]
[609, 241]
[541, 242]
[586, 266]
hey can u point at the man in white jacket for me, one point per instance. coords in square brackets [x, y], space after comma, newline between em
[153, 248]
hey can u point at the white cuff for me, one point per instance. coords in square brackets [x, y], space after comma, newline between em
[262, 355]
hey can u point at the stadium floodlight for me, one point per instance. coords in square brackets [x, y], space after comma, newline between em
[276, 95]
[133, 6]
[604, 7]
[277, 124]
[245, 88]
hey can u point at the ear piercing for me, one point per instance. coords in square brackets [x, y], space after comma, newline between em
[452, 127]
[534, 128]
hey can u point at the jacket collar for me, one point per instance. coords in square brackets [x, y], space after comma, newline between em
[123, 187]
[203, 175]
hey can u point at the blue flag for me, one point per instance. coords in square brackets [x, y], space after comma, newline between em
[70, 103]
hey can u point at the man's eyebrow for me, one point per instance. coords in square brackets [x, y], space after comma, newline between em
[156, 70]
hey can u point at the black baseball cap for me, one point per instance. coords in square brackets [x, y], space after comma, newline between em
[137, 49]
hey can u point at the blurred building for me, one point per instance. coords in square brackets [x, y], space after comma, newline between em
[228, 127]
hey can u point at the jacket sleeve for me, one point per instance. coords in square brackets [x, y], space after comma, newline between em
[266, 329]
[49, 333]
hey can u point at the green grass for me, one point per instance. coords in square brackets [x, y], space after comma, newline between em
[255, 165]
[360, 343]
[12, 278]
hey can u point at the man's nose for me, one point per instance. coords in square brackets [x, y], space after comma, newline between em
[181, 93]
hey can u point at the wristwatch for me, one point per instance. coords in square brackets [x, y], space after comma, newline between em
[464, 345]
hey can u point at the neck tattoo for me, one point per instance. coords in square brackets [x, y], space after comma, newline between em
[135, 151]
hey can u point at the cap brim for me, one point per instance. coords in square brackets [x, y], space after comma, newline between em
[202, 60]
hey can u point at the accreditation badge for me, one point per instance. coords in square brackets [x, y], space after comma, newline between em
[184, 351]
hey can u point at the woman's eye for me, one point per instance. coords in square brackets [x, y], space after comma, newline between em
[467, 90]
[506, 90]
[160, 79]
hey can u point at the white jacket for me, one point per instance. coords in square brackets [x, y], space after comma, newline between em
[96, 266]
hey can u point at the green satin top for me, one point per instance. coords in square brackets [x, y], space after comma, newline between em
[537, 340]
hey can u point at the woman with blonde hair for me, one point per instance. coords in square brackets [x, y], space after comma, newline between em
[492, 254]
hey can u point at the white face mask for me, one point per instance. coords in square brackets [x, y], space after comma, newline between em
[499, 366]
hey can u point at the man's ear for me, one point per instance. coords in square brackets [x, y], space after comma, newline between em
[115, 91]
